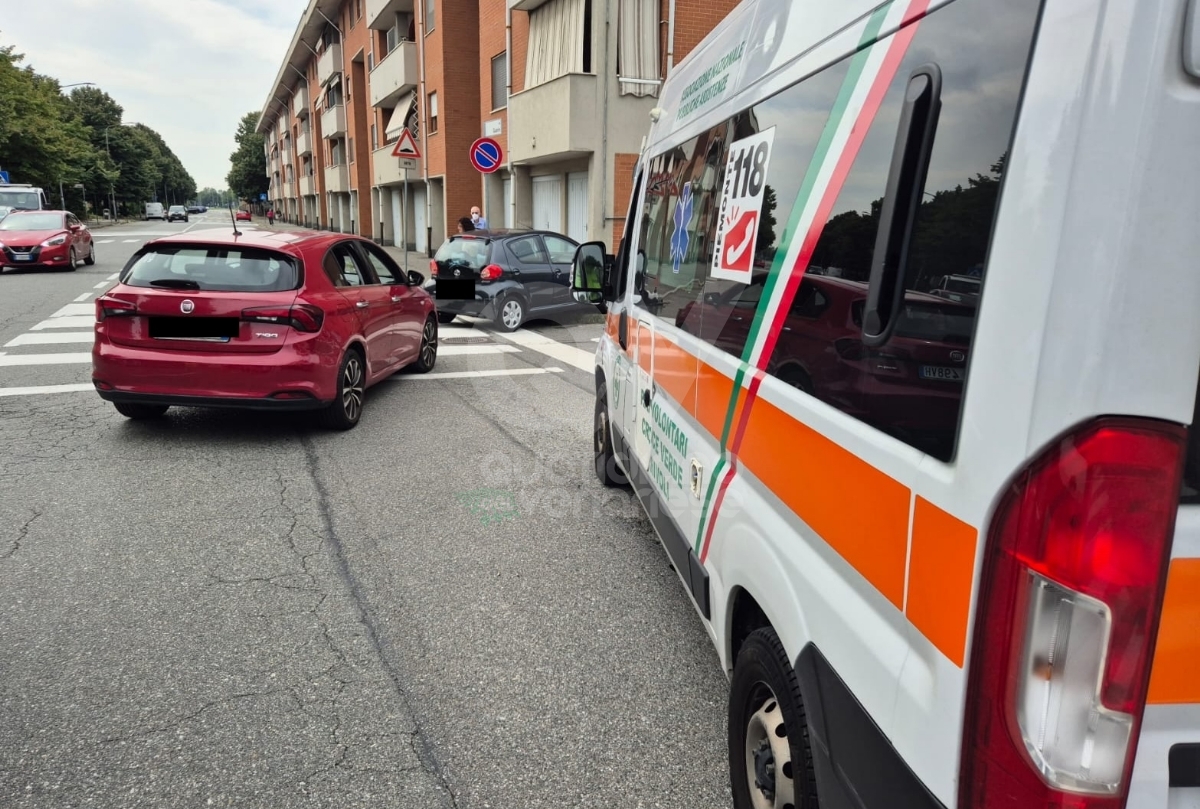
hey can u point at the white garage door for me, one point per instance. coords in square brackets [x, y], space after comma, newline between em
[547, 203]
[418, 203]
[397, 219]
[577, 206]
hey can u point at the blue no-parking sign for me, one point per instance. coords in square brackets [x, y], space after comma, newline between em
[3, 176]
[486, 155]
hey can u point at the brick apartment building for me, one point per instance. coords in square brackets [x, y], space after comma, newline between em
[565, 86]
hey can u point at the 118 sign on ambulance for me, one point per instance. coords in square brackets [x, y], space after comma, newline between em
[741, 203]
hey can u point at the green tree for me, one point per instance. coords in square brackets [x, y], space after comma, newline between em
[247, 176]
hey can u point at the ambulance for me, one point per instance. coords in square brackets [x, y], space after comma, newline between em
[947, 546]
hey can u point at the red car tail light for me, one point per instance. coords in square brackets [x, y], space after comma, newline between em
[491, 272]
[433, 268]
[1073, 579]
[300, 316]
[107, 307]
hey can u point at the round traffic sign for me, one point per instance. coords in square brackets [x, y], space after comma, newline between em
[486, 155]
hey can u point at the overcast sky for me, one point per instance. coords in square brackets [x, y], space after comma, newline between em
[189, 70]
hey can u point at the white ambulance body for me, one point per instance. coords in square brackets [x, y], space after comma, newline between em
[947, 545]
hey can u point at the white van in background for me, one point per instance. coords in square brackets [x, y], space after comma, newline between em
[947, 546]
[154, 210]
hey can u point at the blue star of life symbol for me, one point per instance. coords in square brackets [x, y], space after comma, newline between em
[683, 215]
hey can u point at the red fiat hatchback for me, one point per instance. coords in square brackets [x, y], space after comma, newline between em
[265, 320]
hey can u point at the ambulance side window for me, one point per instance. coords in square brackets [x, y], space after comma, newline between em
[678, 223]
[912, 386]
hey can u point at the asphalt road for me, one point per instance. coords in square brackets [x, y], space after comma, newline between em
[439, 608]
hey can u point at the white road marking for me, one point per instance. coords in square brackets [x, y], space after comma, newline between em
[41, 389]
[113, 277]
[470, 374]
[458, 351]
[595, 339]
[130, 241]
[73, 358]
[102, 285]
[50, 338]
[85, 296]
[76, 309]
[583, 360]
[76, 322]
[105, 241]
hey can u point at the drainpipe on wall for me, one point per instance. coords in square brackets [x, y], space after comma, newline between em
[670, 36]
[423, 115]
[608, 79]
[512, 181]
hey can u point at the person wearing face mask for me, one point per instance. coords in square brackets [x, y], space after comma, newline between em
[477, 218]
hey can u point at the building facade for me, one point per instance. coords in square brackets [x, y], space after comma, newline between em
[565, 86]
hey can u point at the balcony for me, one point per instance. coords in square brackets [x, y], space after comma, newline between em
[333, 122]
[395, 75]
[385, 169]
[300, 102]
[289, 189]
[337, 179]
[380, 13]
[308, 186]
[555, 120]
[329, 64]
[304, 145]
[525, 5]
[281, 125]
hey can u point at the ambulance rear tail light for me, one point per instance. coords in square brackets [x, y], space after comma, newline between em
[1074, 572]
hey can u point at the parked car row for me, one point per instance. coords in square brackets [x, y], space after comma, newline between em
[303, 320]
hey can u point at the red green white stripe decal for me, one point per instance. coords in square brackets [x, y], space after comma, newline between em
[870, 73]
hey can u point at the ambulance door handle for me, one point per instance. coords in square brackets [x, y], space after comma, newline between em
[697, 471]
[646, 398]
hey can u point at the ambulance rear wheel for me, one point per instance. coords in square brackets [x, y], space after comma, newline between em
[770, 761]
[606, 459]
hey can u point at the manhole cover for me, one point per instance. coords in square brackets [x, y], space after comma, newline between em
[462, 340]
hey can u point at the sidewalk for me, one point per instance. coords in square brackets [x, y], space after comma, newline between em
[416, 261]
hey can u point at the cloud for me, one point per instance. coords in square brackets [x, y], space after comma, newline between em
[188, 70]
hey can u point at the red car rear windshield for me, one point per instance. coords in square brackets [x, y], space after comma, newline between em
[213, 267]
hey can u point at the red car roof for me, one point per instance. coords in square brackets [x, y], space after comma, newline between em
[286, 240]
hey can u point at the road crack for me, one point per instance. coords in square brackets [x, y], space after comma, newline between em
[22, 532]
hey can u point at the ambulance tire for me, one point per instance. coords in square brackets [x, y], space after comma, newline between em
[766, 723]
[606, 460]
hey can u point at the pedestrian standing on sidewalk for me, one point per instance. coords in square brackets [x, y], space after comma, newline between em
[270, 216]
[478, 220]
[465, 225]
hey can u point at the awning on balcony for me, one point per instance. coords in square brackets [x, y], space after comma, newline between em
[405, 114]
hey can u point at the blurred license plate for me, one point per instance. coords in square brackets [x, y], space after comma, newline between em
[22, 257]
[941, 372]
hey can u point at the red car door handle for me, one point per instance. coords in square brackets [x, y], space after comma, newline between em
[397, 298]
[362, 304]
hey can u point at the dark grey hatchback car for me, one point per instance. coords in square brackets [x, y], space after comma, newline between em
[508, 276]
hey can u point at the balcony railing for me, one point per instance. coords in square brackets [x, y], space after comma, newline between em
[333, 122]
[308, 186]
[386, 169]
[395, 75]
[337, 179]
[329, 64]
[304, 145]
[300, 102]
[558, 116]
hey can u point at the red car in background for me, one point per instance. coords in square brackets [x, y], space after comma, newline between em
[45, 239]
[243, 216]
[266, 320]
[910, 387]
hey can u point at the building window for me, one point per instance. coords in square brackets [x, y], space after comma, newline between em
[500, 81]
[637, 48]
[374, 137]
[429, 15]
[433, 113]
[350, 146]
